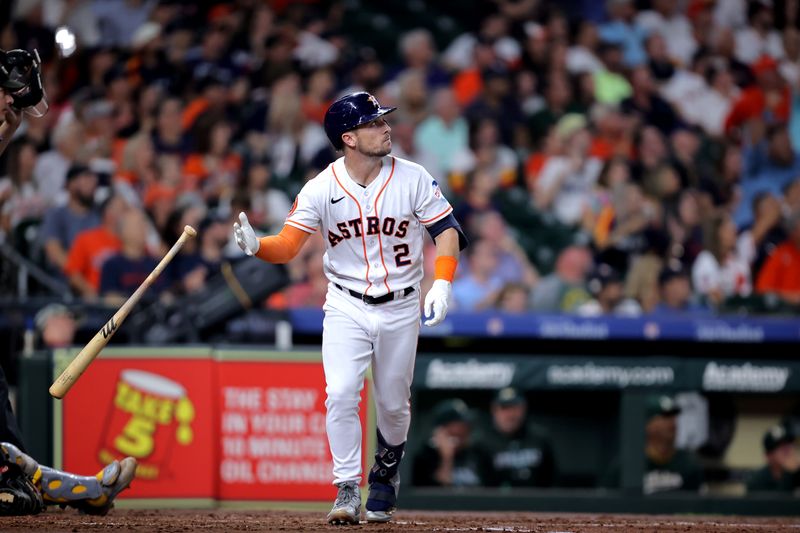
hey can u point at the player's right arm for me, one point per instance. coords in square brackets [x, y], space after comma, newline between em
[280, 248]
[303, 220]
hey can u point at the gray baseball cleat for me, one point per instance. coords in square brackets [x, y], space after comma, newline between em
[379, 516]
[347, 507]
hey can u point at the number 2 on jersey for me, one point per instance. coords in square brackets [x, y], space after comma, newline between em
[402, 252]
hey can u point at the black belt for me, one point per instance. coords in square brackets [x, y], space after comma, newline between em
[374, 300]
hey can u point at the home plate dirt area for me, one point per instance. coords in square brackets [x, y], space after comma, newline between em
[165, 520]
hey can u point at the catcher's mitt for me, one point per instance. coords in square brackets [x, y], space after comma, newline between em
[18, 495]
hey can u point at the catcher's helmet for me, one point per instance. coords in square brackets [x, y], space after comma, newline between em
[20, 76]
[349, 112]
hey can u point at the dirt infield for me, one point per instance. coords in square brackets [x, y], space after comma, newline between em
[165, 521]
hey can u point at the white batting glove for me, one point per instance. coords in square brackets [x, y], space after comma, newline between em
[245, 236]
[436, 302]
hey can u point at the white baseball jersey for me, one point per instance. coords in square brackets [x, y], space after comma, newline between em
[374, 234]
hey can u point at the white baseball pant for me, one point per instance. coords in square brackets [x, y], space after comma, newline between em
[354, 335]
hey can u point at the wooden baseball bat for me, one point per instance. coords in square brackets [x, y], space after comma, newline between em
[78, 366]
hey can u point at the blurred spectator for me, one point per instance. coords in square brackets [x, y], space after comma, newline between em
[137, 168]
[621, 29]
[496, 104]
[611, 82]
[168, 135]
[487, 153]
[268, 206]
[781, 272]
[296, 144]
[477, 289]
[790, 66]
[558, 96]
[52, 166]
[767, 100]
[122, 273]
[494, 31]
[521, 451]
[468, 82]
[665, 19]
[56, 325]
[19, 198]
[606, 286]
[790, 203]
[582, 56]
[213, 169]
[704, 96]
[512, 263]
[62, 224]
[651, 148]
[564, 289]
[647, 105]
[527, 93]
[641, 282]
[192, 271]
[667, 468]
[317, 96]
[513, 298]
[118, 20]
[770, 164]
[92, 247]
[419, 53]
[676, 292]
[658, 60]
[618, 228]
[478, 195]
[443, 134]
[312, 290]
[782, 471]
[613, 136]
[684, 226]
[760, 36]
[722, 269]
[566, 181]
[411, 96]
[767, 231]
[449, 457]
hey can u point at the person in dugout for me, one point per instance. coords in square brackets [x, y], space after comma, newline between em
[782, 471]
[667, 468]
[521, 451]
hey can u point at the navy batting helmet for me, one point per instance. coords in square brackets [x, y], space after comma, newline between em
[349, 112]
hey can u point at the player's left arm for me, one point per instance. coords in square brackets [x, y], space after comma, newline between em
[449, 240]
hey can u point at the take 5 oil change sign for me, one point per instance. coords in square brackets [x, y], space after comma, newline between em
[159, 410]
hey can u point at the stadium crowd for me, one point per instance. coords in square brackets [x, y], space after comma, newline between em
[620, 157]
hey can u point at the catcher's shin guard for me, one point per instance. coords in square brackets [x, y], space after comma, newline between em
[89, 494]
[384, 481]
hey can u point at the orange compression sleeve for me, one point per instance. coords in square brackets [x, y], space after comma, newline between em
[445, 267]
[283, 247]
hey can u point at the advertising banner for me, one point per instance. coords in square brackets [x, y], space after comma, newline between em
[492, 372]
[203, 424]
[272, 431]
[155, 406]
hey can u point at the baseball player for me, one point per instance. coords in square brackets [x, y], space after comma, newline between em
[25, 486]
[371, 208]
